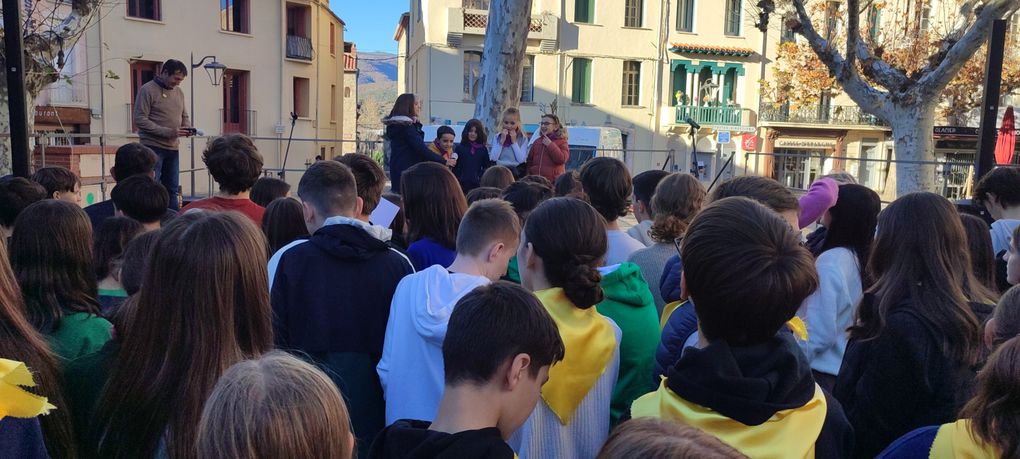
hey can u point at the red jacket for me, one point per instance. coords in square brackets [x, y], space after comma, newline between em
[548, 161]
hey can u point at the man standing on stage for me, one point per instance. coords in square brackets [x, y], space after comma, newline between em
[161, 120]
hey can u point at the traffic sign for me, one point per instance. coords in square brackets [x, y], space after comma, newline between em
[724, 137]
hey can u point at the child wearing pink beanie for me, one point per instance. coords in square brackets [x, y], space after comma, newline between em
[819, 198]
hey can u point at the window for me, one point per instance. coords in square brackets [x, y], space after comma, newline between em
[631, 83]
[708, 90]
[234, 16]
[145, 9]
[678, 92]
[418, 10]
[584, 11]
[685, 16]
[332, 39]
[235, 102]
[581, 89]
[299, 43]
[347, 92]
[476, 4]
[729, 92]
[733, 17]
[787, 35]
[632, 13]
[528, 80]
[472, 74]
[874, 23]
[301, 86]
[332, 103]
[141, 72]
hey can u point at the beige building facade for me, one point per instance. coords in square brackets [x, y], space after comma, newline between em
[280, 57]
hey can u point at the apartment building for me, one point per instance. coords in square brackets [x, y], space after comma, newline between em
[627, 64]
[350, 96]
[278, 58]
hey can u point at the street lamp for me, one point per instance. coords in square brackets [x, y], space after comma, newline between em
[215, 70]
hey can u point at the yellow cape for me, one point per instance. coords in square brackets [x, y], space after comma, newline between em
[787, 434]
[957, 440]
[15, 401]
[589, 342]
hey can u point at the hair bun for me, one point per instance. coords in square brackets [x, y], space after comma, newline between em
[582, 285]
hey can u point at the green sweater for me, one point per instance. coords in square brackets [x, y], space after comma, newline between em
[79, 334]
[630, 304]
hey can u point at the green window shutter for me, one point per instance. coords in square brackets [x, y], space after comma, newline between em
[679, 84]
[581, 81]
[729, 86]
[586, 95]
[584, 10]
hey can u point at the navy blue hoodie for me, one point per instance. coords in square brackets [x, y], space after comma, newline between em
[408, 439]
[331, 300]
[407, 147]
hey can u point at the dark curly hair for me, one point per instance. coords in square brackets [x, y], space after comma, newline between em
[570, 238]
[1003, 182]
[234, 162]
[607, 183]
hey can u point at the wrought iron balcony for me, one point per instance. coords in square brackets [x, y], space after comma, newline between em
[299, 47]
[713, 116]
[843, 115]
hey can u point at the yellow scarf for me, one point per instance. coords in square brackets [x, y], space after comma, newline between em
[15, 401]
[787, 434]
[589, 342]
[956, 440]
[668, 311]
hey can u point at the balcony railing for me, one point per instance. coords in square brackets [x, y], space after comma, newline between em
[299, 47]
[717, 116]
[471, 21]
[241, 121]
[844, 115]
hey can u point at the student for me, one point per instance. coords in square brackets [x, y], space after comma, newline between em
[16, 193]
[1005, 321]
[60, 183]
[284, 223]
[561, 267]
[442, 145]
[136, 258]
[275, 406]
[497, 177]
[842, 274]
[499, 346]
[331, 294]
[674, 203]
[550, 151]
[111, 239]
[982, 257]
[204, 308]
[747, 383]
[20, 341]
[821, 195]
[917, 333]
[51, 253]
[650, 438]
[433, 207]
[569, 184]
[999, 193]
[268, 189]
[406, 139]
[141, 198]
[607, 183]
[537, 179]
[510, 146]
[235, 164]
[130, 159]
[482, 193]
[524, 197]
[370, 180]
[644, 189]
[412, 349]
[1012, 258]
[472, 156]
[989, 426]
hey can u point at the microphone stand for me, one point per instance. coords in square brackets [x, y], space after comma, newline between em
[286, 156]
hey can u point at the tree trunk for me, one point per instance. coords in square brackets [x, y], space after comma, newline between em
[912, 132]
[506, 38]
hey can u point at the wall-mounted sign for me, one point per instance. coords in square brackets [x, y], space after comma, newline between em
[956, 131]
[795, 142]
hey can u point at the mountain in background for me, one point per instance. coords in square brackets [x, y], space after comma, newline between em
[377, 88]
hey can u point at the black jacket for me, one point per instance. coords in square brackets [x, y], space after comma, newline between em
[407, 439]
[331, 300]
[407, 148]
[470, 167]
[902, 379]
[750, 384]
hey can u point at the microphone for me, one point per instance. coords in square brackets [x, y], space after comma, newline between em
[293, 116]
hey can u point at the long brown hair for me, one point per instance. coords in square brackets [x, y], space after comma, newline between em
[51, 253]
[204, 307]
[570, 237]
[982, 256]
[434, 203]
[652, 438]
[1006, 318]
[19, 341]
[920, 255]
[275, 406]
[403, 106]
[677, 199]
[993, 410]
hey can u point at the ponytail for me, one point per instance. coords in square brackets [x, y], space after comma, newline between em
[570, 238]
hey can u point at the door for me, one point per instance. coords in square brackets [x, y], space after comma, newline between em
[235, 102]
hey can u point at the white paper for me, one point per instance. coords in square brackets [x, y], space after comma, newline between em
[384, 213]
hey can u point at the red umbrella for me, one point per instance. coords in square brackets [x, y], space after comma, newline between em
[1007, 139]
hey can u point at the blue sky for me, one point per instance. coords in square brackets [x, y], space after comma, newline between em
[370, 23]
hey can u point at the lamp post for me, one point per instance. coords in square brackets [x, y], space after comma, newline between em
[215, 71]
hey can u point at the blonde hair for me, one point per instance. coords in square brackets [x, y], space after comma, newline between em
[512, 111]
[653, 438]
[275, 406]
[677, 199]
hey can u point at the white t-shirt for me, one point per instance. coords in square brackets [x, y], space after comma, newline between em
[621, 246]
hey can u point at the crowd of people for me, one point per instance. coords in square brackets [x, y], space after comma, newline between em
[503, 312]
